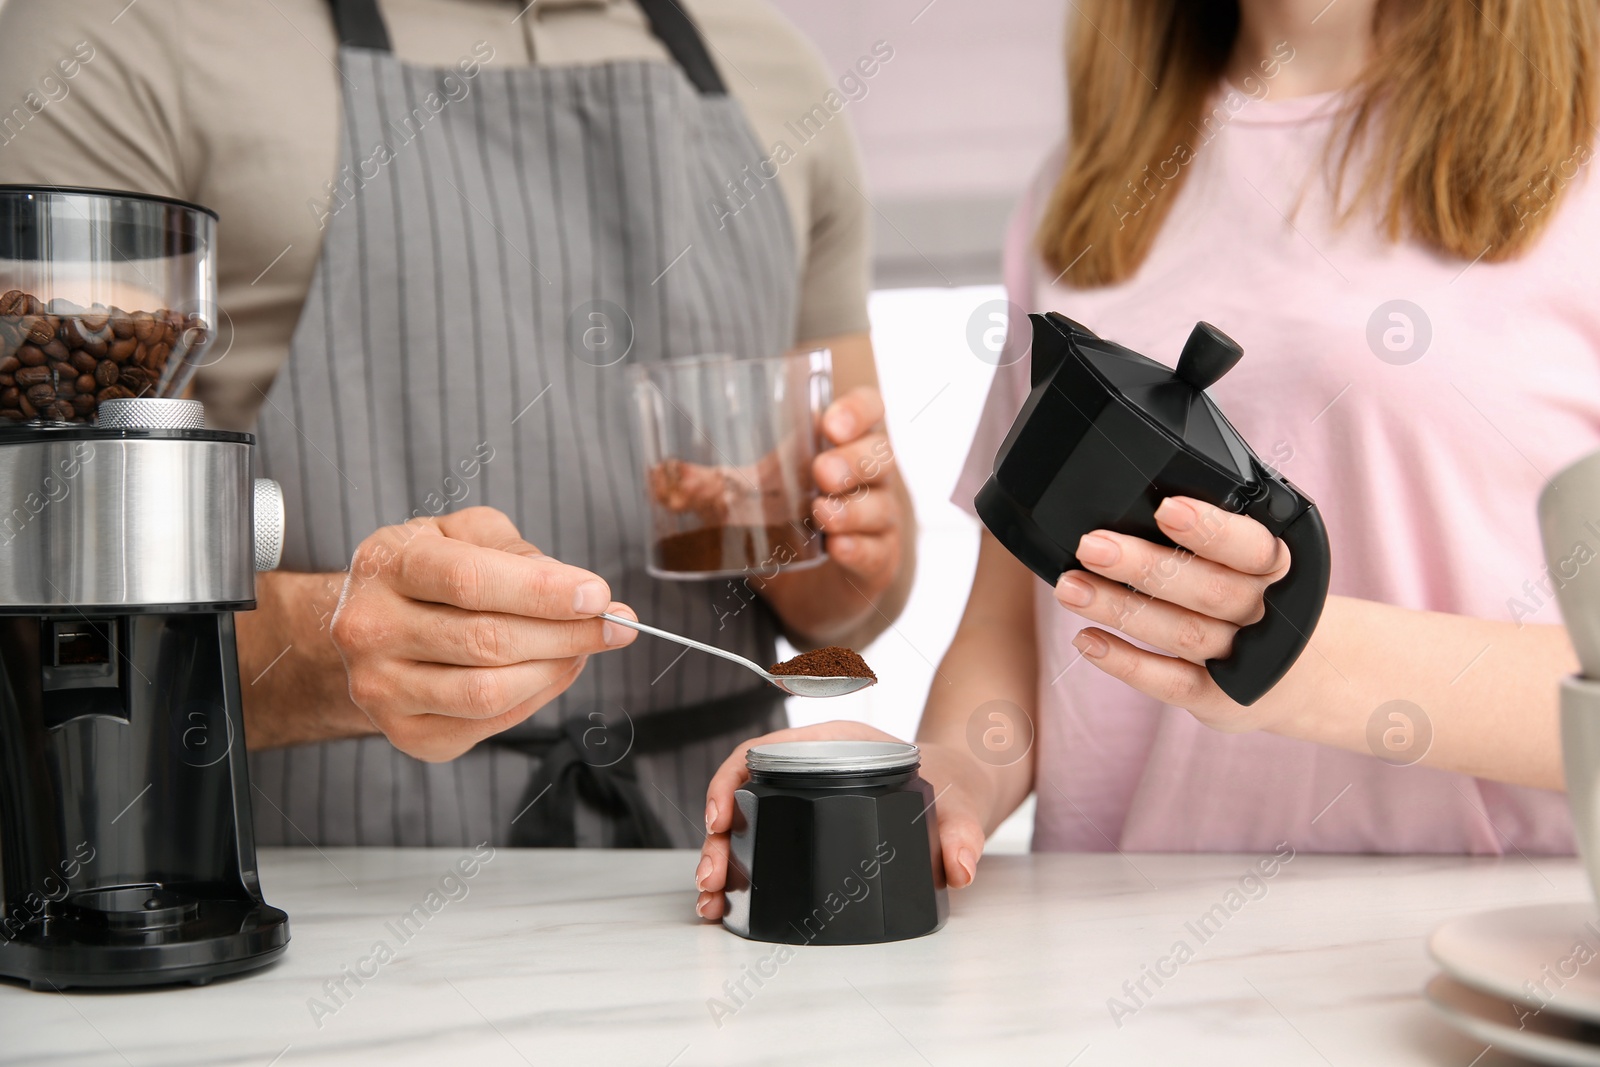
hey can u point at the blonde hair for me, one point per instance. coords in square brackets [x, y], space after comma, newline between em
[1472, 117]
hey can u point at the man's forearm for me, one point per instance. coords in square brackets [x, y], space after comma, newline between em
[294, 682]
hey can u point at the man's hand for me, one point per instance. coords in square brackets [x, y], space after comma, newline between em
[863, 519]
[453, 629]
[866, 514]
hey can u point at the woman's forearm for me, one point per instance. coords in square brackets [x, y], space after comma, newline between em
[982, 707]
[1464, 694]
[1448, 691]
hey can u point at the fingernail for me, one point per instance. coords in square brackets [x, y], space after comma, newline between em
[844, 425]
[837, 470]
[700, 906]
[969, 864]
[591, 598]
[711, 813]
[1091, 644]
[702, 872]
[842, 545]
[613, 633]
[1176, 515]
[1074, 591]
[1098, 551]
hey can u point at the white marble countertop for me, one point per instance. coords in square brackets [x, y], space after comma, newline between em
[597, 958]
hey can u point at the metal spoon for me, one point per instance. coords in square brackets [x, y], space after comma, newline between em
[800, 685]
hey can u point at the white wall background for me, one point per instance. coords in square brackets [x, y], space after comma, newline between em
[951, 128]
[968, 104]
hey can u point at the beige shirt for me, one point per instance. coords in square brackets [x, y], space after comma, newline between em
[236, 105]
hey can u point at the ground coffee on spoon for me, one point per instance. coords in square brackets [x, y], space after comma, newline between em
[830, 662]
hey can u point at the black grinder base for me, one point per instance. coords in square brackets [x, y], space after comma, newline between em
[126, 879]
[80, 947]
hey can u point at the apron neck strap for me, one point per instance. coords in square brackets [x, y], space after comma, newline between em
[360, 25]
[673, 28]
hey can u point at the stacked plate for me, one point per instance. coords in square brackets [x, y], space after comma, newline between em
[1526, 980]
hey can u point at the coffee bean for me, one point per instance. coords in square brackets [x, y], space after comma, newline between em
[8, 396]
[62, 359]
[88, 333]
[26, 405]
[39, 329]
[145, 327]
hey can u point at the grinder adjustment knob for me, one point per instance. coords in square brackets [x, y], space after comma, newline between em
[269, 524]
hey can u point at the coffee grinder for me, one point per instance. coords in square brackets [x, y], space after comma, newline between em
[129, 534]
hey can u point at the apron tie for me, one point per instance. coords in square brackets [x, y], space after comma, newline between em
[581, 760]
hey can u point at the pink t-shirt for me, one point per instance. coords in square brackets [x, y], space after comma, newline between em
[1425, 464]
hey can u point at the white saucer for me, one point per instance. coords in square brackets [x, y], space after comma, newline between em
[1543, 955]
[1514, 1028]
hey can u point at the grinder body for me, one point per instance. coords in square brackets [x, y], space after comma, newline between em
[127, 854]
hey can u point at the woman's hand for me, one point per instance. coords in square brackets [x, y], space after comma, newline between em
[1187, 601]
[950, 774]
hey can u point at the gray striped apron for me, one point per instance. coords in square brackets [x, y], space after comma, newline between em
[482, 219]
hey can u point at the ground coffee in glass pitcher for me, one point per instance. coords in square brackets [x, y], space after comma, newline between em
[726, 446]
